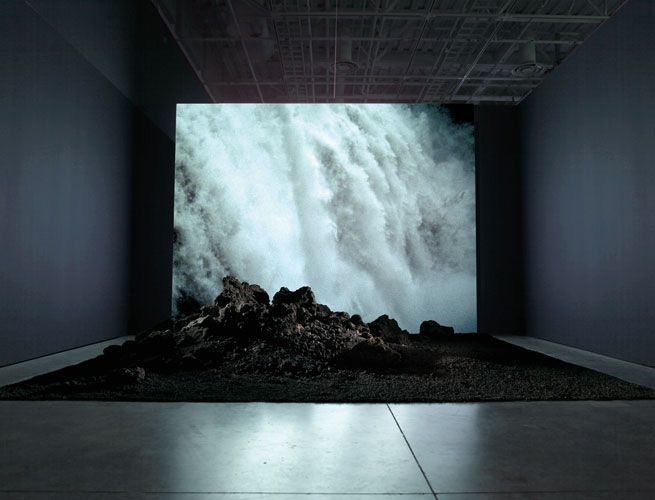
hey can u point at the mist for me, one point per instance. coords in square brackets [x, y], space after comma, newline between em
[372, 205]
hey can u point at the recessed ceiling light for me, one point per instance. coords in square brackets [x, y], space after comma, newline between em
[528, 65]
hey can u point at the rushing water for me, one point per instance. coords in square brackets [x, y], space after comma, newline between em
[373, 206]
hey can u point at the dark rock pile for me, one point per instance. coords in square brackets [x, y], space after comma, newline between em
[246, 348]
[244, 332]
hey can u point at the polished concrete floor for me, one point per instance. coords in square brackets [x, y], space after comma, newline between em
[517, 450]
[265, 450]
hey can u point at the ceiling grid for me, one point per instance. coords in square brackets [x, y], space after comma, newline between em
[448, 51]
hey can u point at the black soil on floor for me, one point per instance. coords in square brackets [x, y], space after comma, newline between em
[245, 348]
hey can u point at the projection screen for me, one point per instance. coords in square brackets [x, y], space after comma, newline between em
[371, 205]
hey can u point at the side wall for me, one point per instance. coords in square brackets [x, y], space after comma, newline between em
[588, 147]
[66, 138]
[498, 208]
[87, 171]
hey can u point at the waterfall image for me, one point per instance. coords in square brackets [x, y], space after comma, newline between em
[371, 205]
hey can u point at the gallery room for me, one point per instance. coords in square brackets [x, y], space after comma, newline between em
[359, 249]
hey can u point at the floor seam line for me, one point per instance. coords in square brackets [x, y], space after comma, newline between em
[280, 493]
[420, 467]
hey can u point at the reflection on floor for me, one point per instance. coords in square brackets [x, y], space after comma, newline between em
[631, 372]
[101, 450]
[582, 449]
[17, 372]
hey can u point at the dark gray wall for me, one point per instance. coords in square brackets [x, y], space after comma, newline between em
[126, 41]
[588, 146]
[498, 209]
[86, 171]
[66, 141]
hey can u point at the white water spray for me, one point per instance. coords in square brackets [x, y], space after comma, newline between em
[373, 206]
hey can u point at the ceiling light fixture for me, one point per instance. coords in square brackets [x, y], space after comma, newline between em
[528, 65]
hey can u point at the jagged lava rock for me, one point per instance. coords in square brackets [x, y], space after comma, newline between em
[369, 355]
[388, 330]
[431, 328]
[297, 334]
[356, 319]
[187, 305]
[127, 375]
[303, 296]
[112, 351]
[244, 332]
[240, 293]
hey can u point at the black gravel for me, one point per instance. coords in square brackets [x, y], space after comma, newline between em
[245, 347]
[457, 369]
